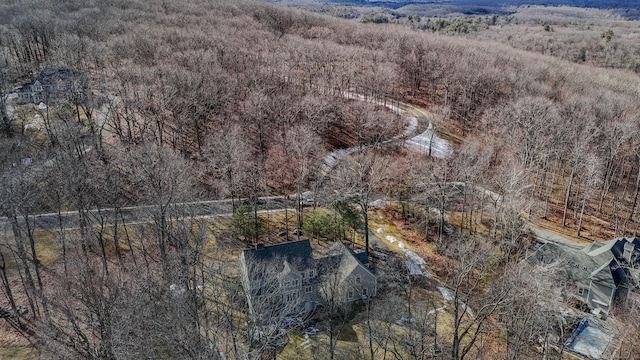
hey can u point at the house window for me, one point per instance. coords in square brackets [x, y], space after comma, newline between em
[580, 291]
[358, 279]
[304, 275]
[308, 289]
[296, 282]
[312, 273]
[364, 292]
[292, 296]
[350, 294]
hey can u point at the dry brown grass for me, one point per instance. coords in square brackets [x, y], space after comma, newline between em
[18, 353]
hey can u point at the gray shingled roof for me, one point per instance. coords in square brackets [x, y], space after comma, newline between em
[339, 257]
[603, 273]
[580, 265]
[598, 261]
[297, 253]
[50, 76]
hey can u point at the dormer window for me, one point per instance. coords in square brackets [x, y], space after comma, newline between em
[358, 279]
[312, 273]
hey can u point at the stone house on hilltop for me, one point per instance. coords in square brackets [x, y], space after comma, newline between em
[285, 278]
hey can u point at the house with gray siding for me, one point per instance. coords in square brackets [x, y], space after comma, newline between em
[602, 273]
[285, 279]
[54, 84]
[345, 276]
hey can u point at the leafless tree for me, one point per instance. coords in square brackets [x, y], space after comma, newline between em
[533, 313]
[359, 177]
[592, 177]
[304, 145]
[271, 299]
[335, 306]
[230, 161]
[163, 178]
[582, 131]
[473, 302]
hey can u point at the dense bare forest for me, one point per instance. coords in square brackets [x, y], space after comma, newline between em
[184, 101]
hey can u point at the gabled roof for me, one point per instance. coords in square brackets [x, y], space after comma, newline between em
[580, 264]
[599, 248]
[611, 273]
[598, 261]
[296, 253]
[50, 75]
[341, 259]
[603, 274]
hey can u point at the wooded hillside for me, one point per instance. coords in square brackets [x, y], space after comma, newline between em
[213, 99]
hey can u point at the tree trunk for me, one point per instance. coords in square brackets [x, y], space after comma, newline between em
[584, 202]
[566, 197]
[635, 198]
[365, 208]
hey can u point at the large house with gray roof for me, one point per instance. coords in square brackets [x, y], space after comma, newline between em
[54, 84]
[286, 279]
[601, 272]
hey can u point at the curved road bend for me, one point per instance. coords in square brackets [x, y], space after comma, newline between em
[428, 140]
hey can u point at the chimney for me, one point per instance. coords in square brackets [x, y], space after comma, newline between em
[628, 250]
[259, 246]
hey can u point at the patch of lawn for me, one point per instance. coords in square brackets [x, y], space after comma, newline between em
[348, 334]
[18, 353]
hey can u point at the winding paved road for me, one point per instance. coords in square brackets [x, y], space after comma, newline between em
[427, 142]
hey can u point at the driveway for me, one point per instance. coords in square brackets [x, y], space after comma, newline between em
[545, 236]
